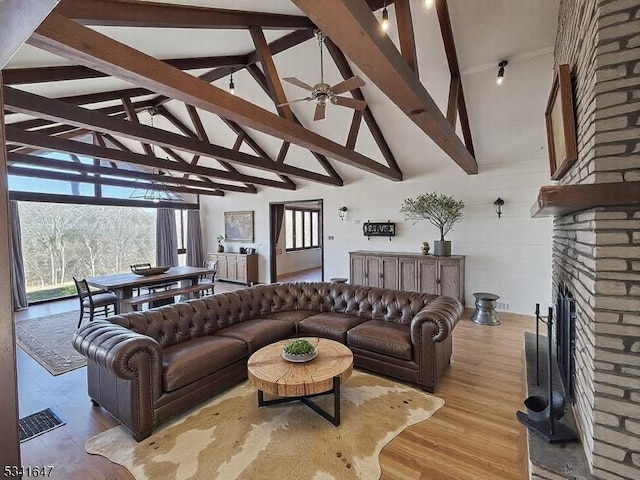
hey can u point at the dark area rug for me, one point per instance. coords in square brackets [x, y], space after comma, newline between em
[48, 341]
[37, 424]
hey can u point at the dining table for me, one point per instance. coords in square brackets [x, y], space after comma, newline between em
[123, 284]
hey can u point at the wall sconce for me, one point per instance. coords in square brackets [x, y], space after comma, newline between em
[342, 213]
[499, 203]
[500, 77]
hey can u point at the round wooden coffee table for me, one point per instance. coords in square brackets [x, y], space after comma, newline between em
[272, 374]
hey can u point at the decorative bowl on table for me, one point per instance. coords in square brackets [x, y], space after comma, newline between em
[299, 351]
[146, 271]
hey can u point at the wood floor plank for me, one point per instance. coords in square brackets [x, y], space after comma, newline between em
[475, 436]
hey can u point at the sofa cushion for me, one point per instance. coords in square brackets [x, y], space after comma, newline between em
[190, 361]
[382, 337]
[259, 332]
[329, 325]
[294, 316]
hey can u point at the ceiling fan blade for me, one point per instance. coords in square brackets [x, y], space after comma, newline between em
[320, 111]
[298, 83]
[347, 85]
[350, 103]
[295, 101]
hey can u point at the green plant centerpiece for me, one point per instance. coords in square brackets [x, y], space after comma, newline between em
[442, 211]
[299, 350]
[219, 238]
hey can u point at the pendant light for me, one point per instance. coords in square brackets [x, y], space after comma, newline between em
[385, 18]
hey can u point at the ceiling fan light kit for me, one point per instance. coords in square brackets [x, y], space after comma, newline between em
[323, 93]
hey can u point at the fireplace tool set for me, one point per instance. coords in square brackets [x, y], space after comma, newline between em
[543, 412]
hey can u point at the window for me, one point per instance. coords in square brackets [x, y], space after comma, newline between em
[60, 241]
[301, 228]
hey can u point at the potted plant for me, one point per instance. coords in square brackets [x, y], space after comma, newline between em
[220, 246]
[443, 211]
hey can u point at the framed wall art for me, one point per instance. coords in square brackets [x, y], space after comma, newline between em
[238, 226]
[561, 124]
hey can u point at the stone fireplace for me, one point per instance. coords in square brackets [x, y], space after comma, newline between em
[596, 251]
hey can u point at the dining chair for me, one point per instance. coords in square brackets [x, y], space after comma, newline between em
[209, 278]
[93, 303]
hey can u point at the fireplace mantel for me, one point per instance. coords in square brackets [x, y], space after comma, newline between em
[559, 200]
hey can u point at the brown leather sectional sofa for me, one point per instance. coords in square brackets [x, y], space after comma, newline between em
[145, 367]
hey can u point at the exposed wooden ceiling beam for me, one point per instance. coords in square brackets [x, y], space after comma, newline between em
[352, 137]
[271, 73]
[31, 104]
[72, 177]
[405, 33]
[452, 103]
[19, 19]
[121, 172]
[454, 68]
[64, 37]
[282, 154]
[261, 79]
[112, 110]
[345, 70]
[194, 116]
[34, 139]
[132, 116]
[277, 46]
[283, 43]
[59, 131]
[20, 76]
[162, 15]
[352, 27]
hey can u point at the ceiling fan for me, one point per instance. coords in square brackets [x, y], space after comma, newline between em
[323, 93]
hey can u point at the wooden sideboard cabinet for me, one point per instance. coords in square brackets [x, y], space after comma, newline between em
[409, 271]
[236, 267]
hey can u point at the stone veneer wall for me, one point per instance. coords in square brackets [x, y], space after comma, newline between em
[597, 252]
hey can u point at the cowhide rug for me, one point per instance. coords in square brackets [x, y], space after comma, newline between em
[229, 437]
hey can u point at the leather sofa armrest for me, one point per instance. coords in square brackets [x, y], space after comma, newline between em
[121, 351]
[443, 312]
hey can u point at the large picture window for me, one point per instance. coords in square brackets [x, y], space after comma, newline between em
[301, 228]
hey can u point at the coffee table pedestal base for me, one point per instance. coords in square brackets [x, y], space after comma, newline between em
[306, 399]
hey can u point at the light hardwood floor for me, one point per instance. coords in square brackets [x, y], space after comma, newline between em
[309, 275]
[475, 436]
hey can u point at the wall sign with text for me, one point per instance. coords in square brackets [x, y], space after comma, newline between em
[379, 229]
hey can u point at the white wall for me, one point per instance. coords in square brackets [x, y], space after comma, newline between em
[510, 256]
[290, 262]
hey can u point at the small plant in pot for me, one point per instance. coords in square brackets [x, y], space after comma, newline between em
[219, 238]
[442, 211]
[299, 350]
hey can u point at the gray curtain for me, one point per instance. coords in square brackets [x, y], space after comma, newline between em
[166, 237]
[195, 253]
[18, 282]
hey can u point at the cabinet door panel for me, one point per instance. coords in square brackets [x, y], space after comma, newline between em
[373, 271]
[221, 268]
[357, 270]
[427, 276]
[241, 270]
[389, 273]
[232, 272]
[450, 279]
[408, 274]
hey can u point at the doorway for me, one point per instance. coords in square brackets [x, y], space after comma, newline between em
[296, 244]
